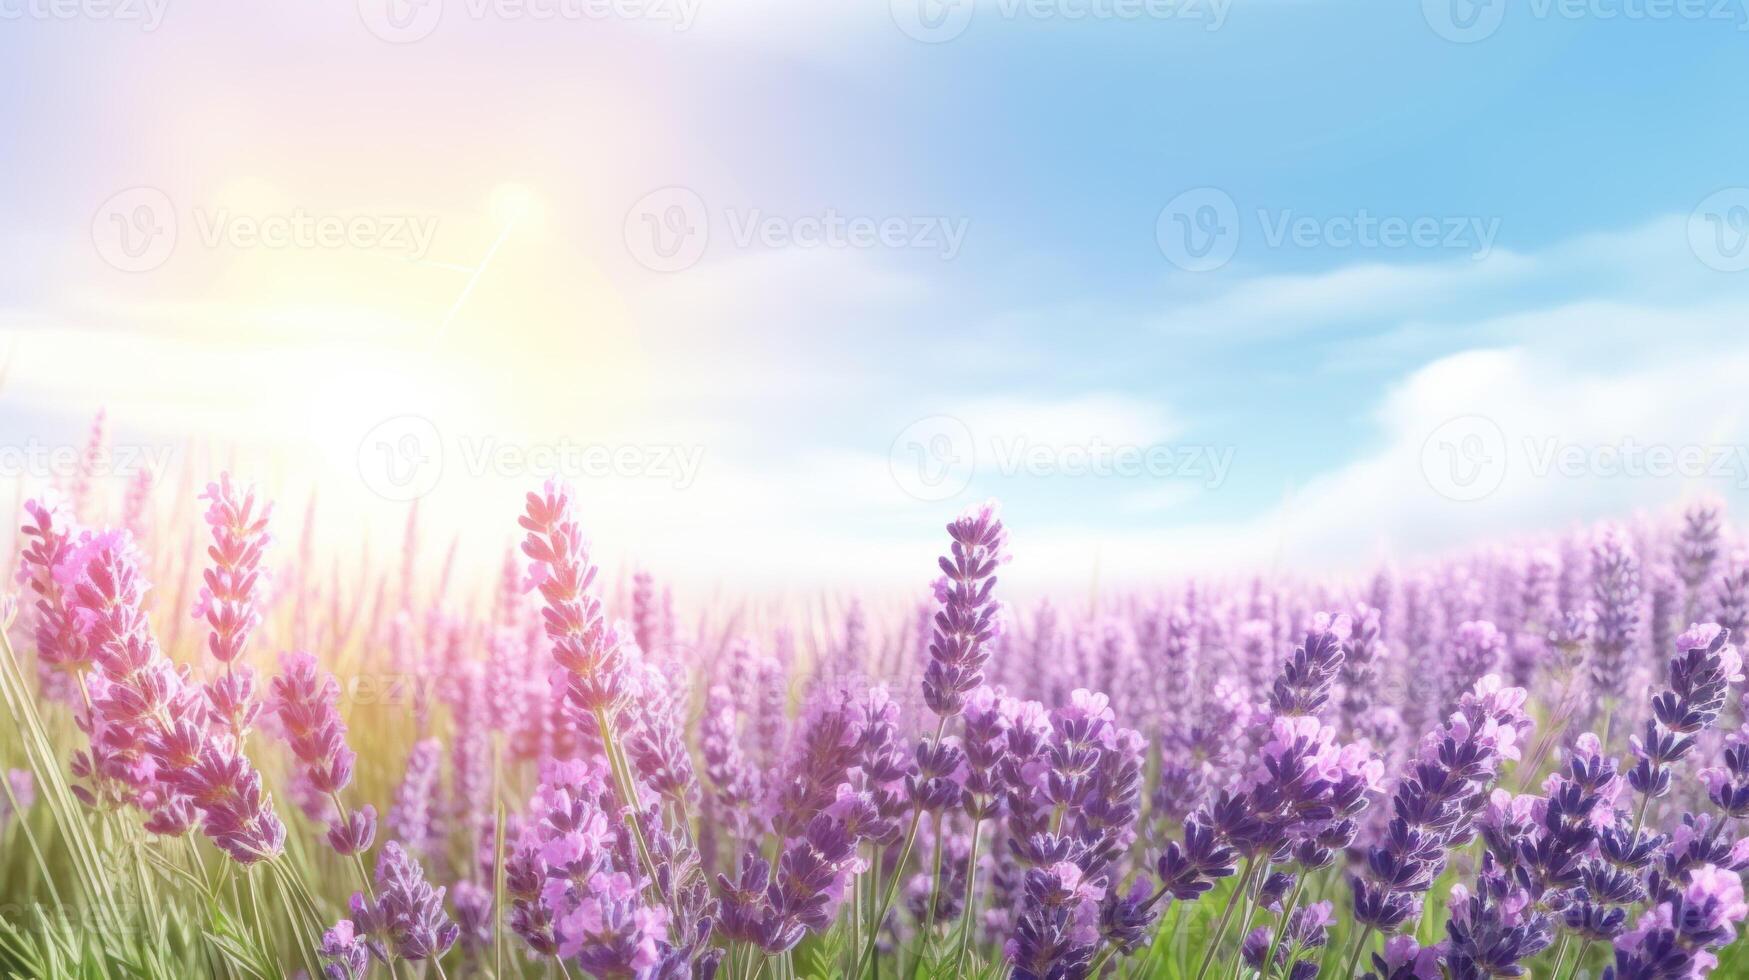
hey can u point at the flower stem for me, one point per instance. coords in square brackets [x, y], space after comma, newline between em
[1287, 912]
[1208, 953]
[1359, 947]
[898, 873]
[628, 795]
[966, 909]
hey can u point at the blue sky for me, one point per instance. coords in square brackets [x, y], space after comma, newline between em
[1581, 137]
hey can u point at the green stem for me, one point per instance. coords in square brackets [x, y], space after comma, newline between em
[1287, 911]
[628, 796]
[1208, 953]
[1560, 956]
[966, 908]
[1578, 962]
[1245, 927]
[927, 938]
[898, 873]
[1359, 947]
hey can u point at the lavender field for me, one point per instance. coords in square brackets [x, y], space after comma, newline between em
[227, 759]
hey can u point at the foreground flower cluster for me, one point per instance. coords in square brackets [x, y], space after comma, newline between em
[1530, 762]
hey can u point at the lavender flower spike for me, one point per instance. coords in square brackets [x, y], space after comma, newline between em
[967, 622]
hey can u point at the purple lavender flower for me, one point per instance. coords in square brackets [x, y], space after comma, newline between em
[354, 834]
[969, 616]
[1477, 649]
[473, 913]
[343, 952]
[1436, 803]
[1727, 786]
[1676, 938]
[1493, 930]
[1615, 592]
[414, 814]
[1699, 674]
[1697, 550]
[1405, 959]
[1057, 934]
[1307, 932]
[407, 917]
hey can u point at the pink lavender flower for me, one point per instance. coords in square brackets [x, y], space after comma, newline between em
[587, 651]
[305, 699]
[60, 638]
[154, 722]
[235, 586]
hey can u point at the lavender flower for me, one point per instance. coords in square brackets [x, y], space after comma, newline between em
[1615, 591]
[344, 953]
[414, 815]
[234, 588]
[305, 700]
[1697, 549]
[407, 918]
[585, 648]
[1436, 802]
[1699, 674]
[968, 619]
